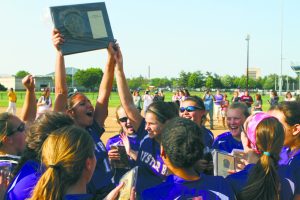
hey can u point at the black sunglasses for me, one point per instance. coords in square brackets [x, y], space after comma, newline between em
[123, 119]
[189, 108]
[20, 128]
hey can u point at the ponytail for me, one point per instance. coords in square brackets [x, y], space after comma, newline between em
[263, 180]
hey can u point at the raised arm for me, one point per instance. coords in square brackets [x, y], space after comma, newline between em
[124, 93]
[61, 90]
[28, 113]
[101, 108]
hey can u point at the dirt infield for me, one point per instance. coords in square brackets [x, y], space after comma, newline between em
[112, 127]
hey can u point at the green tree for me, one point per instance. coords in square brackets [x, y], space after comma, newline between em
[183, 79]
[137, 82]
[227, 81]
[89, 78]
[21, 74]
[210, 82]
[2, 88]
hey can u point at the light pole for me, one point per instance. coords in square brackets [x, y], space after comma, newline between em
[247, 77]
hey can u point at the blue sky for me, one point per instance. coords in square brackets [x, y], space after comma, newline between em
[169, 36]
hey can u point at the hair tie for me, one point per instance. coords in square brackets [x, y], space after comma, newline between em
[267, 153]
[56, 167]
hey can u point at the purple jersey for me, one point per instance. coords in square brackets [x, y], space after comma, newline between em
[226, 142]
[239, 180]
[292, 160]
[152, 170]
[79, 197]
[25, 180]
[207, 187]
[102, 178]
[208, 137]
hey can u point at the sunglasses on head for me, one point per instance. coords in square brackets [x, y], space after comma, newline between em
[189, 108]
[123, 119]
[20, 128]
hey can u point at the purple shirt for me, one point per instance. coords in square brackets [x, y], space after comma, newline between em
[239, 180]
[152, 170]
[207, 187]
[102, 177]
[208, 137]
[218, 99]
[25, 180]
[292, 160]
[226, 142]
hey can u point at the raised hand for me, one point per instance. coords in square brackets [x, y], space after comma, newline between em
[57, 39]
[28, 82]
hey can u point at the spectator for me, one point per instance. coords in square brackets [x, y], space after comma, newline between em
[247, 99]
[44, 103]
[289, 97]
[209, 108]
[274, 99]
[12, 100]
[217, 106]
[224, 108]
[161, 95]
[257, 106]
[235, 97]
[137, 99]
[148, 99]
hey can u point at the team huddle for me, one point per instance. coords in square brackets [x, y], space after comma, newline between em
[59, 154]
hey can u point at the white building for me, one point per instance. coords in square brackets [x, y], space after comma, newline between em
[16, 83]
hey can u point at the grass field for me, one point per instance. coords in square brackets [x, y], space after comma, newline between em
[114, 98]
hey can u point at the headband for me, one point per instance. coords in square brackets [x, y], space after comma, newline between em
[251, 129]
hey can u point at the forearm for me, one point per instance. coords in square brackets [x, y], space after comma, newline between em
[61, 90]
[101, 108]
[29, 107]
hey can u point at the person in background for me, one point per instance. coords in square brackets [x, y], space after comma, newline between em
[262, 178]
[69, 159]
[156, 96]
[137, 99]
[247, 99]
[236, 115]
[235, 97]
[217, 104]
[224, 108]
[148, 99]
[274, 99]
[44, 103]
[257, 106]
[12, 100]
[176, 97]
[162, 95]
[208, 100]
[181, 147]
[288, 113]
[289, 97]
